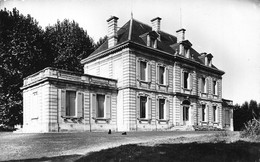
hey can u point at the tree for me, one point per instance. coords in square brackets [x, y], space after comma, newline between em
[21, 41]
[245, 113]
[68, 43]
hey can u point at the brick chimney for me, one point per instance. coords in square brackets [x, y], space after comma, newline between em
[112, 31]
[156, 24]
[180, 35]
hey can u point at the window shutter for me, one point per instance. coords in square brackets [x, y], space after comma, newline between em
[207, 82]
[182, 78]
[80, 103]
[157, 73]
[93, 105]
[137, 69]
[166, 75]
[191, 80]
[62, 102]
[200, 113]
[108, 107]
[181, 115]
[137, 106]
[149, 108]
[157, 108]
[167, 111]
[199, 84]
[207, 113]
[149, 72]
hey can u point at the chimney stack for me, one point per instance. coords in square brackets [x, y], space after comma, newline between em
[112, 31]
[156, 24]
[180, 35]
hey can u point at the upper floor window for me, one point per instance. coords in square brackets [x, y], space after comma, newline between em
[187, 80]
[215, 88]
[161, 75]
[203, 85]
[143, 71]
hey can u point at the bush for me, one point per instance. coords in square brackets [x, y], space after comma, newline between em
[251, 130]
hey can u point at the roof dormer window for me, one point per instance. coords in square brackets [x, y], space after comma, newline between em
[208, 60]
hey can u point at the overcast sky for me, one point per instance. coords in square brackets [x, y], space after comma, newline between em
[229, 29]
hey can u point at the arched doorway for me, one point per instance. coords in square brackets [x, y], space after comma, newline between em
[186, 112]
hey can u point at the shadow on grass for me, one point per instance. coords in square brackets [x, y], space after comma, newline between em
[209, 152]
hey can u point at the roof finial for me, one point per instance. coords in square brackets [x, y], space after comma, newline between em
[132, 15]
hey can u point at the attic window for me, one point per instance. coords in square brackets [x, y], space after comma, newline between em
[151, 42]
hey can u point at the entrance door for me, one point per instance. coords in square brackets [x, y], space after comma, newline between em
[186, 115]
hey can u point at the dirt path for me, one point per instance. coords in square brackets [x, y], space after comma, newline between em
[31, 146]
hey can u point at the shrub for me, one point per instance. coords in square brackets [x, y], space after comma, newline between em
[251, 129]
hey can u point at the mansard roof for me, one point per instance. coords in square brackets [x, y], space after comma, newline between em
[135, 31]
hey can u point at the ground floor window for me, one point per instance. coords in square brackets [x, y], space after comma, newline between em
[161, 108]
[100, 106]
[215, 113]
[70, 103]
[204, 113]
[143, 105]
[185, 113]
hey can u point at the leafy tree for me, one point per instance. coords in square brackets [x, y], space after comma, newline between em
[68, 43]
[245, 113]
[21, 41]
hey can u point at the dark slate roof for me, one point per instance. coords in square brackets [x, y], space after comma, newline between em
[167, 42]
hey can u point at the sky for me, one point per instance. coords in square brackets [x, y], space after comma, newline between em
[228, 29]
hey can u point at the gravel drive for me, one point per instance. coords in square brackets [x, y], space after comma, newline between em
[16, 146]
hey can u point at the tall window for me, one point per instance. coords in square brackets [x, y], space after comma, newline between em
[161, 75]
[215, 113]
[215, 88]
[100, 106]
[161, 109]
[186, 80]
[203, 112]
[70, 103]
[143, 70]
[203, 85]
[143, 101]
[185, 113]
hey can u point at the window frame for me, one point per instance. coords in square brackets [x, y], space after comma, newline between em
[215, 113]
[97, 106]
[145, 108]
[145, 70]
[163, 116]
[68, 95]
[215, 87]
[204, 113]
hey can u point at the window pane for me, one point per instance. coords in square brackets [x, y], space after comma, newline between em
[143, 101]
[161, 74]
[214, 87]
[100, 105]
[161, 108]
[185, 113]
[143, 70]
[70, 103]
[186, 78]
[214, 113]
[203, 85]
[203, 112]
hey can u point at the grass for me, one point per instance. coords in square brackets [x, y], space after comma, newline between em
[214, 152]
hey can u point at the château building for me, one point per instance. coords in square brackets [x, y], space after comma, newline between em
[141, 78]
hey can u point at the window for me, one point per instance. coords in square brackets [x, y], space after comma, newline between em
[215, 113]
[161, 108]
[152, 43]
[143, 70]
[203, 85]
[186, 52]
[185, 113]
[161, 75]
[203, 112]
[215, 88]
[100, 106]
[186, 80]
[70, 103]
[143, 105]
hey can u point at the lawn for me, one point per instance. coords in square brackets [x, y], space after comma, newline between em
[138, 146]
